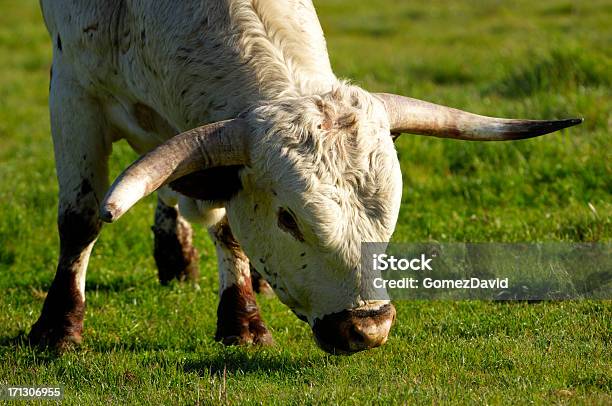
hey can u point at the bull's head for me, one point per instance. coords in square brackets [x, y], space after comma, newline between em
[316, 176]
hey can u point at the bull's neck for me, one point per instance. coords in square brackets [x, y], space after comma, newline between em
[283, 44]
[231, 55]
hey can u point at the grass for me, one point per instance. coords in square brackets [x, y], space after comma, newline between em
[150, 344]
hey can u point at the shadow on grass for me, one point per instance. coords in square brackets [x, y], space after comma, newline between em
[20, 343]
[121, 284]
[21, 339]
[219, 361]
[245, 361]
[114, 285]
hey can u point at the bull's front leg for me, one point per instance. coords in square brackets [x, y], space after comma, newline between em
[238, 318]
[82, 147]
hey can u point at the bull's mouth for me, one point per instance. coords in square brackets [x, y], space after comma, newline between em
[351, 331]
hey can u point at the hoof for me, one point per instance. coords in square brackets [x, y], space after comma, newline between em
[59, 338]
[253, 333]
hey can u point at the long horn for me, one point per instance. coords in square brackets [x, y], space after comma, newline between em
[219, 144]
[407, 115]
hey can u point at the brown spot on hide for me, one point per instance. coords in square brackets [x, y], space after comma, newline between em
[90, 28]
[346, 121]
[77, 230]
[174, 253]
[333, 120]
[238, 318]
[149, 120]
[79, 225]
[336, 94]
[215, 184]
[326, 125]
[223, 233]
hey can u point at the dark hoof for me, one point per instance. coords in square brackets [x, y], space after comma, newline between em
[255, 332]
[60, 338]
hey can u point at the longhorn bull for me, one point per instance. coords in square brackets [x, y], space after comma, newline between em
[289, 167]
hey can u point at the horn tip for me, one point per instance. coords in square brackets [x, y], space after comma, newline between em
[568, 122]
[547, 127]
[573, 121]
[109, 212]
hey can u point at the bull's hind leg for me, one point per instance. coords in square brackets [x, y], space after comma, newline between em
[81, 148]
[174, 253]
[238, 318]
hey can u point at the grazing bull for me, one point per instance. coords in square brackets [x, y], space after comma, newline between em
[289, 167]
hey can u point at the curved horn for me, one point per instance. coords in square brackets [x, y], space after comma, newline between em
[407, 115]
[219, 144]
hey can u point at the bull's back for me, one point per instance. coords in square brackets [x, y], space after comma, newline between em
[189, 61]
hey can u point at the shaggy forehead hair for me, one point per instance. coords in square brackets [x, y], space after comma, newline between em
[335, 151]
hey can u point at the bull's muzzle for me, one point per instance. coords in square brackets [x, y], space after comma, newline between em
[354, 330]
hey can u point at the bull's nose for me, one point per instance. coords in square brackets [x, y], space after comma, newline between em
[368, 335]
[355, 330]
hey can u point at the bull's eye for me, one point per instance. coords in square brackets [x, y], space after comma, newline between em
[286, 221]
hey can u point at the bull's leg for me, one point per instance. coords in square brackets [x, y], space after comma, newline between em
[82, 147]
[238, 318]
[175, 256]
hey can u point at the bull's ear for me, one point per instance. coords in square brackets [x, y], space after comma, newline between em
[217, 184]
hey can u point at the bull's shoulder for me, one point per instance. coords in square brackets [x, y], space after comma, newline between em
[86, 34]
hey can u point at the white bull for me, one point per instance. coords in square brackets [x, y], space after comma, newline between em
[288, 166]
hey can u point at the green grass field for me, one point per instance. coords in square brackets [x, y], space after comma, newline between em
[150, 344]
